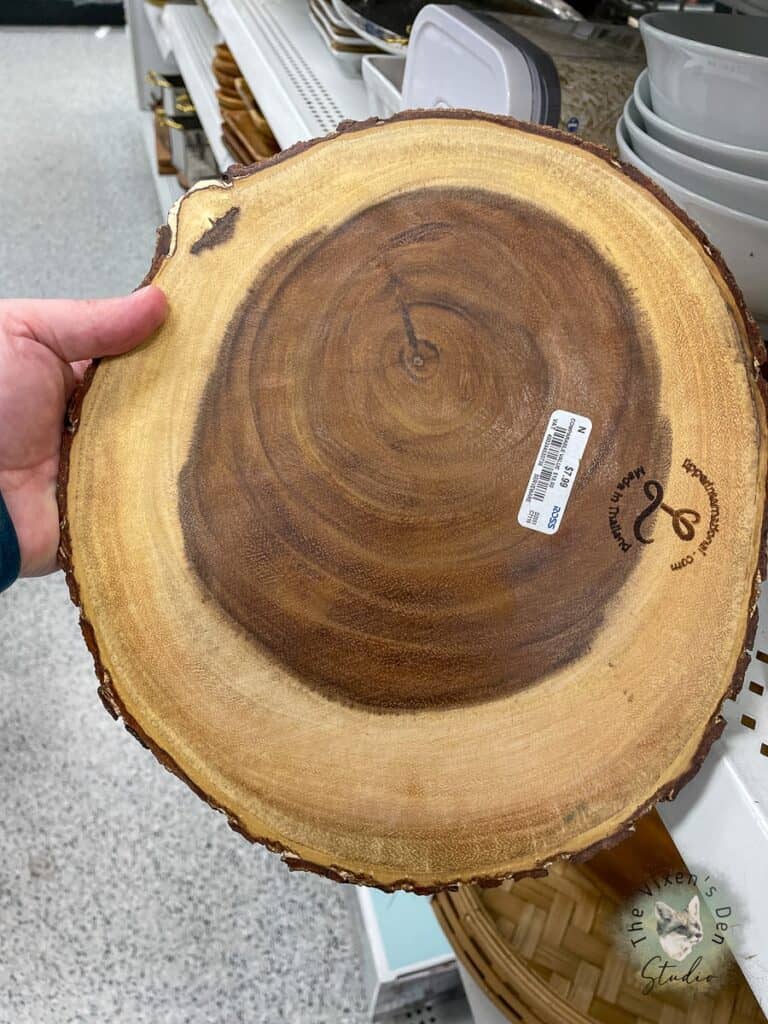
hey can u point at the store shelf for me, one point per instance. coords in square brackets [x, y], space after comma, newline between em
[167, 187]
[719, 822]
[193, 36]
[154, 16]
[481, 1009]
[450, 1011]
[146, 50]
[297, 83]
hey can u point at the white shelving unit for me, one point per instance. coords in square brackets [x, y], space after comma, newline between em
[296, 81]
[449, 1011]
[173, 40]
[154, 16]
[192, 36]
[167, 187]
[719, 821]
[149, 47]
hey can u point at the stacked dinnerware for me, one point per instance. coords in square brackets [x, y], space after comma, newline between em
[697, 123]
[343, 42]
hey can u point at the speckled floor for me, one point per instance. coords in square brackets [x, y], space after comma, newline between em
[123, 899]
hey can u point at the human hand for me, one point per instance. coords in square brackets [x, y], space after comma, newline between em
[45, 347]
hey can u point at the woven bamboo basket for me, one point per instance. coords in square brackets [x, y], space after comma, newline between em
[544, 949]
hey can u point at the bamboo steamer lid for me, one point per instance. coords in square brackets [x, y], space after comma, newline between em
[295, 520]
[547, 951]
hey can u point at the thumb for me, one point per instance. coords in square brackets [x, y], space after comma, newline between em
[76, 329]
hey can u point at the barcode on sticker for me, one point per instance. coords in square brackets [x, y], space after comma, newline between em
[553, 443]
[554, 472]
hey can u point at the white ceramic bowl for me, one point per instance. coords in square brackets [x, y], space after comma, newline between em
[383, 77]
[722, 154]
[739, 191]
[709, 74]
[743, 240]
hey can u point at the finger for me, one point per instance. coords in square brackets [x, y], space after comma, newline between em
[73, 375]
[70, 379]
[79, 368]
[84, 329]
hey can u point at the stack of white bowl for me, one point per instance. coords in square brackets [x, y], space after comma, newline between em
[697, 124]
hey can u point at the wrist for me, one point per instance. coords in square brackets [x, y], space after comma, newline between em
[10, 555]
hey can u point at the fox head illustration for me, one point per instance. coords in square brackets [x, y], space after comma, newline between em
[678, 930]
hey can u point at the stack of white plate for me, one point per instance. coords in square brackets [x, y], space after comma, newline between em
[343, 42]
[697, 123]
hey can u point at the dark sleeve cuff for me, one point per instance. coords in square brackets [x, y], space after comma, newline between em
[10, 556]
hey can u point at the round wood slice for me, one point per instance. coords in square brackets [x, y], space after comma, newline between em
[290, 519]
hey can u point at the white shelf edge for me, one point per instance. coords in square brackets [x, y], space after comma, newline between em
[268, 89]
[719, 821]
[299, 86]
[482, 1010]
[193, 35]
[145, 51]
[167, 187]
[714, 826]
[154, 16]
